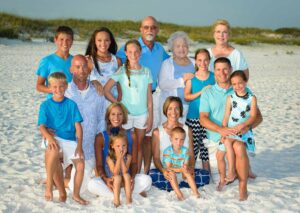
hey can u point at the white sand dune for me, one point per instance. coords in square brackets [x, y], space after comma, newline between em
[275, 79]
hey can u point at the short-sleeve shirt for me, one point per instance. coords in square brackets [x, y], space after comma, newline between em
[61, 117]
[151, 58]
[53, 63]
[237, 60]
[177, 160]
[134, 97]
[213, 101]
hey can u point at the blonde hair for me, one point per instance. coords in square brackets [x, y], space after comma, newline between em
[178, 130]
[109, 109]
[112, 140]
[57, 76]
[127, 63]
[221, 22]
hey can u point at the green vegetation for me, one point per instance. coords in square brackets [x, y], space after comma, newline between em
[12, 26]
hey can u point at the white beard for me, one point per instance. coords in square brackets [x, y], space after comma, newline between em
[149, 37]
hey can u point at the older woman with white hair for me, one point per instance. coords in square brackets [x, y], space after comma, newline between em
[176, 70]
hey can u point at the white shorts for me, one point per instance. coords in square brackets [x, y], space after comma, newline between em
[137, 121]
[67, 147]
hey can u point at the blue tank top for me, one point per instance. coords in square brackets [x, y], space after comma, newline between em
[198, 85]
[105, 149]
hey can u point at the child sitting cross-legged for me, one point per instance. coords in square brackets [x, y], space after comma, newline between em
[175, 158]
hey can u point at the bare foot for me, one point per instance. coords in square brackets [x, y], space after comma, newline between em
[129, 201]
[197, 195]
[117, 204]
[80, 200]
[243, 197]
[221, 186]
[143, 194]
[230, 179]
[48, 195]
[252, 174]
[62, 198]
[180, 198]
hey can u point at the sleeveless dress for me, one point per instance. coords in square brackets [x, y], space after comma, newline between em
[240, 112]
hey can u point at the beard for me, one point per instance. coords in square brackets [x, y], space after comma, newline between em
[149, 37]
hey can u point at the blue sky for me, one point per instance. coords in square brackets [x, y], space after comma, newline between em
[252, 13]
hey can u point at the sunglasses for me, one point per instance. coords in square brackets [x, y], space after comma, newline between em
[146, 27]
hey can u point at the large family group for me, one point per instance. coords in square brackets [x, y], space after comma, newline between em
[109, 112]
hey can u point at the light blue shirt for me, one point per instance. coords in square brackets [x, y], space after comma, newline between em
[196, 86]
[177, 160]
[134, 97]
[150, 58]
[179, 71]
[60, 117]
[213, 101]
[91, 107]
[53, 63]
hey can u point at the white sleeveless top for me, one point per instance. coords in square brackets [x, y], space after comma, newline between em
[107, 69]
[164, 139]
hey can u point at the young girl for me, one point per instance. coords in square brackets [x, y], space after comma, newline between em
[240, 112]
[136, 86]
[102, 61]
[192, 92]
[118, 161]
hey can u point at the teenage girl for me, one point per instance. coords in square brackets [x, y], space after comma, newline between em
[202, 80]
[136, 86]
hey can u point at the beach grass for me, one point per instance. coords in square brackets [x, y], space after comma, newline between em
[12, 26]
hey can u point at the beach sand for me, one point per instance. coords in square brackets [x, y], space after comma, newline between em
[274, 78]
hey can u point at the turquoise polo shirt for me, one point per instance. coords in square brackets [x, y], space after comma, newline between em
[150, 58]
[213, 101]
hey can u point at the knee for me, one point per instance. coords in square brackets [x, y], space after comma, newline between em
[240, 150]
[117, 180]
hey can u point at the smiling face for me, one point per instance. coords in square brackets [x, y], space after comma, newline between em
[222, 72]
[180, 48]
[173, 111]
[58, 88]
[202, 61]
[239, 85]
[149, 29]
[116, 116]
[102, 41]
[221, 34]
[79, 69]
[63, 42]
[133, 53]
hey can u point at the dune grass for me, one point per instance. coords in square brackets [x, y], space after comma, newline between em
[12, 26]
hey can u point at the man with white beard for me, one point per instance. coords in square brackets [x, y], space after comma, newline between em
[153, 54]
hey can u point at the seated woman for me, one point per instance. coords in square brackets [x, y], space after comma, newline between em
[176, 71]
[102, 185]
[173, 110]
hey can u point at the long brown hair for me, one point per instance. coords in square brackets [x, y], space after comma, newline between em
[127, 63]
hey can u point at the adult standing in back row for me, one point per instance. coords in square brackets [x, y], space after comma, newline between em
[153, 54]
[221, 33]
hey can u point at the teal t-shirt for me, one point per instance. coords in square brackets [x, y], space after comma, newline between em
[134, 97]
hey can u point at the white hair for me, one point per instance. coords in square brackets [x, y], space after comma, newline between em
[177, 35]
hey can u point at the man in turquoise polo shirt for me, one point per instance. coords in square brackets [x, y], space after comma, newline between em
[212, 109]
[153, 54]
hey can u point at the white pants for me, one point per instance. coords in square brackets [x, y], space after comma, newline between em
[97, 186]
[89, 165]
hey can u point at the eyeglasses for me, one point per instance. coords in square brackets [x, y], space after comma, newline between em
[146, 27]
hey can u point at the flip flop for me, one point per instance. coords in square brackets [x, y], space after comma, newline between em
[227, 181]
